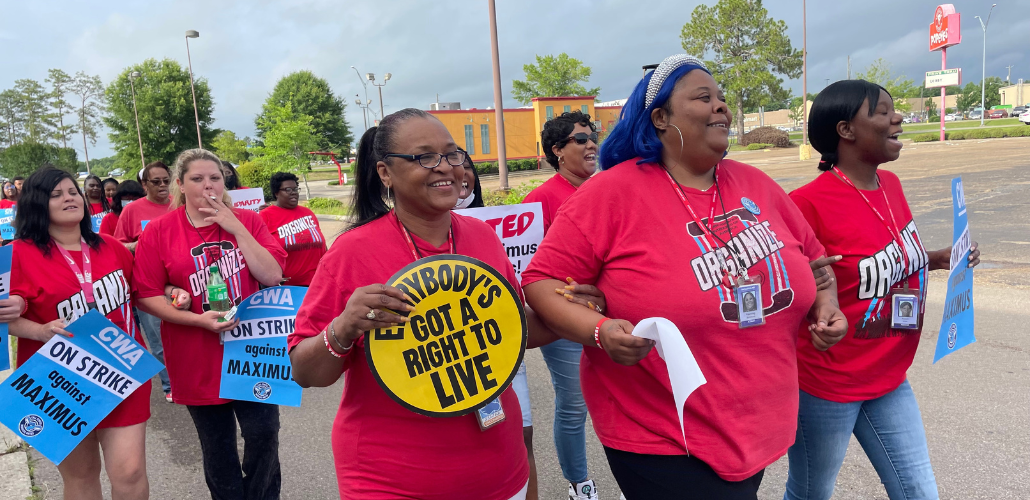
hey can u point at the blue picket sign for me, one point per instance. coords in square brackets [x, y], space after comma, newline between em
[255, 363]
[96, 220]
[957, 324]
[66, 388]
[7, 223]
[5, 292]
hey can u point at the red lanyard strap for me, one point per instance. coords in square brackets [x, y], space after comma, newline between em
[894, 230]
[415, 253]
[686, 203]
[85, 276]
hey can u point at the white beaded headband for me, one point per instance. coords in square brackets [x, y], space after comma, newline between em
[663, 71]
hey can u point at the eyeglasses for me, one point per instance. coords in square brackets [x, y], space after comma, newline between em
[159, 182]
[290, 190]
[432, 160]
[580, 138]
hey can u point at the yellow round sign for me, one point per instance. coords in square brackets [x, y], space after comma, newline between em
[463, 345]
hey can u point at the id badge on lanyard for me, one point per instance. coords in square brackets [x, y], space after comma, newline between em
[85, 275]
[490, 415]
[750, 310]
[905, 308]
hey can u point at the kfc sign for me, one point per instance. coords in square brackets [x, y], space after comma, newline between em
[945, 30]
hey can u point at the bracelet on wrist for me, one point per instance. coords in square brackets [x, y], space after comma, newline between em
[597, 332]
[325, 338]
[332, 332]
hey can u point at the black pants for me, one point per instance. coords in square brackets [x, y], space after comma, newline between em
[259, 477]
[681, 477]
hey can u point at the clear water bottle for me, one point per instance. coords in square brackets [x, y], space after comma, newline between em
[217, 292]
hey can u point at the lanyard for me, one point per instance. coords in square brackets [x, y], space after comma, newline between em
[85, 276]
[415, 253]
[709, 236]
[894, 231]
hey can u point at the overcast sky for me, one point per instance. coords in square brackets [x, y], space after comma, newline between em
[444, 47]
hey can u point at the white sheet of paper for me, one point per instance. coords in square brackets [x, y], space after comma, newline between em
[684, 374]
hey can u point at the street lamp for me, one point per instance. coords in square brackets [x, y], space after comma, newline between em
[196, 114]
[364, 107]
[983, 80]
[372, 78]
[132, 76]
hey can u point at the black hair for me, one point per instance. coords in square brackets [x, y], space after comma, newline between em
[231, 181]
[17, 178]
[32, 221]
[838, 102]
[279, 178]
[557, 129]
[105, 206]
[375, 143]
[127, 189]
[111, 180]
[477, 188]
[152, 165]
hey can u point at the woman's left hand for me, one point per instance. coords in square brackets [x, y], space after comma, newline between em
[218, 213]
[941, 259]
[10, 309]
[974, 255]
[181, 299]
[828, 327]
[585, 295]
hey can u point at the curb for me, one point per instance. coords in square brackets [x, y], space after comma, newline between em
[14, 465]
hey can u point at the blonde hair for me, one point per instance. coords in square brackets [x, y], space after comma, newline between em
[182, 167]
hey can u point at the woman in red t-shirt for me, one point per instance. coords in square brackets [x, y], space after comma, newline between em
[860, 213]
[127, 192]
[99, 205]
[179, 248]
[666, 231]
[156, 179]
[455, 458]
[53, 228]
[9, 196]
[110, 187]
[296, 228]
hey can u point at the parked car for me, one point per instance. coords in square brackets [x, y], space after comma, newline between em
[1025, 117]
[997, 113]
[951, 117]
[975, 114]
[116, 172]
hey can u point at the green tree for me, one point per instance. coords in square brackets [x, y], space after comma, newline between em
[10, 117]
[553, 76]
[797, 110]
[165, 106]
[35, 113]
[229, 148]
[24, 158]
[747, 46]
[92, 105]
[310, 95]
[289, 137]
[970, 97]
[898, 86]
[931, 109]
[59, 82]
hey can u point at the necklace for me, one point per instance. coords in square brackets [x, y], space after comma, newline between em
[202, 238]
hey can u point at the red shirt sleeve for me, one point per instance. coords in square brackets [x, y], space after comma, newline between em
[567, 251]
[109, 224]
[24, 257]
[797, 222]
[121, 231]
[149, 272]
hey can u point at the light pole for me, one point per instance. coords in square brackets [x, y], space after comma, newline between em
[804, 75]
[983, 79]
[372, 78]
[132, 76]
[364, 108]
[502, 154]
[196, 114]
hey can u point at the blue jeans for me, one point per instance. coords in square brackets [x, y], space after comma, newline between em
[570, 411]
[890, 430]
[151, 326]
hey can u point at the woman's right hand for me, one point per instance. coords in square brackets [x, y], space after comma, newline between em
[354, 321]
[618, 341]
[821, 271]
[208, 320]
[10, 309]
[48, 330]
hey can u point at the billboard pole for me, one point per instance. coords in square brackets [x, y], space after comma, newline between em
[502, 156]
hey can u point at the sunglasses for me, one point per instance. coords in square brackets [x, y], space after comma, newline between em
[580, 138]
[160, 182]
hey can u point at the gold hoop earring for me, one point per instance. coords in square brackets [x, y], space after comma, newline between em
[389, 198]
[681, 137]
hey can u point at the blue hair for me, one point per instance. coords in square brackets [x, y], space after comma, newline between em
[635, 135]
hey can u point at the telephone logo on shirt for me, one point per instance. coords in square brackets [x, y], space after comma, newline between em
[882, 270]
[110, 292]
[229, 260]
[754, 242]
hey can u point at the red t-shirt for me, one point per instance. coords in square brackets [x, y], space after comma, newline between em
[177, 253]
[51, 290]
[109, 224]
[97, 213]
[299, 233]
[551, 195]
[642, 248]
[871, 360]
[376, 441]
[135, 216]
[7, 204]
